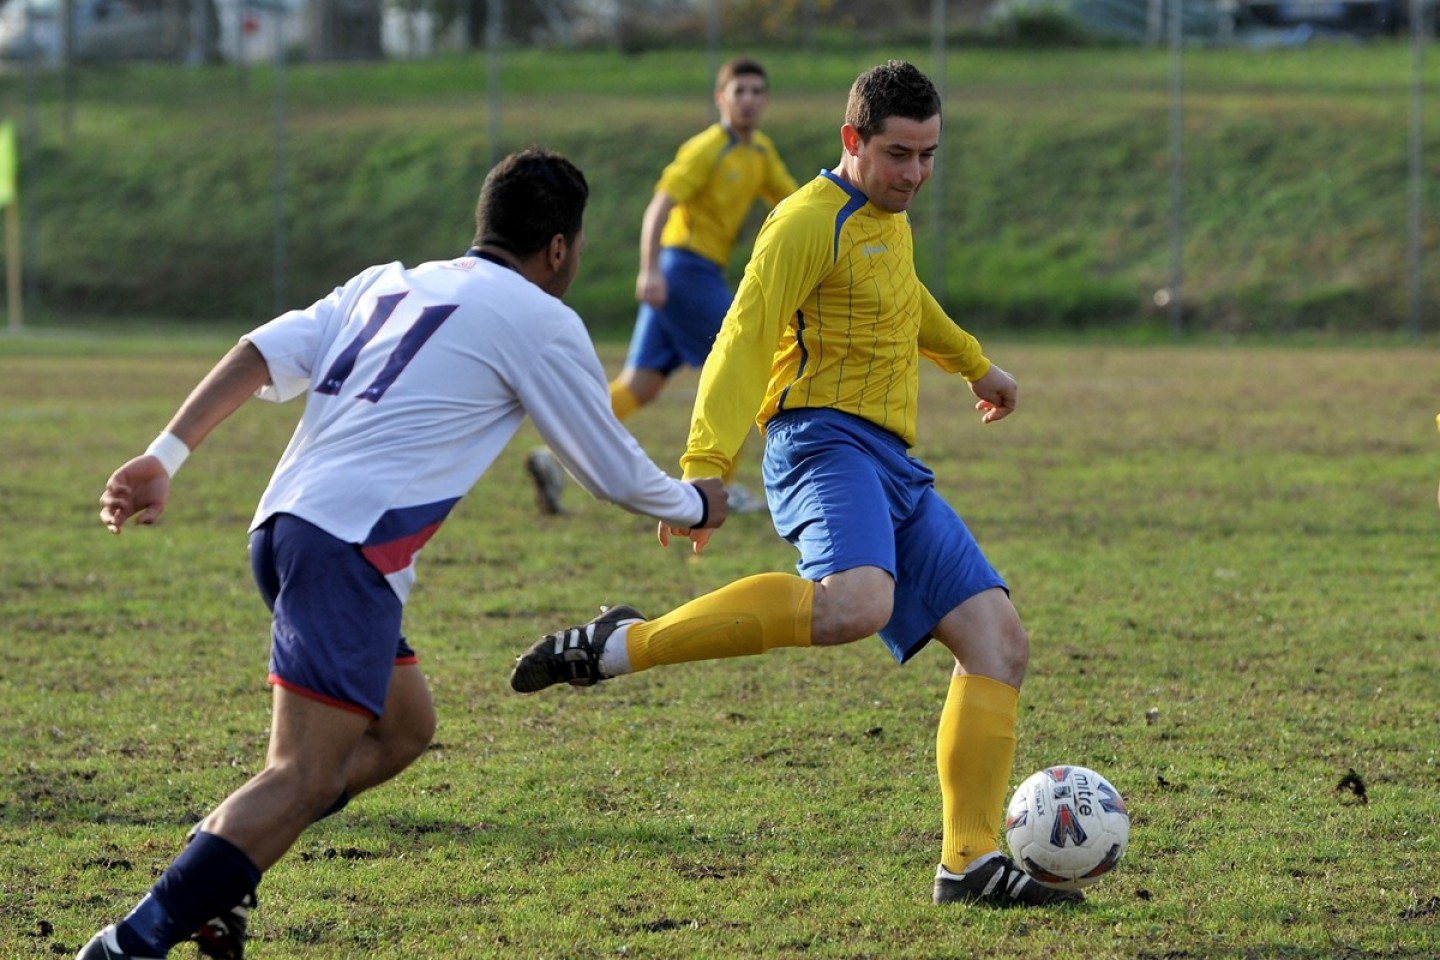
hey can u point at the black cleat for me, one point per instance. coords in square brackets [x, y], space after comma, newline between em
[998, 882]
[104, 946]
[571, 656]
[549, 479]
[223, 938]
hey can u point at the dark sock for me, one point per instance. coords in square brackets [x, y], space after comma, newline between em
[209, 877]
[340, 803]
[134, 932]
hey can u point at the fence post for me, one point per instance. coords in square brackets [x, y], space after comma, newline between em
[1177, 171]
[1418, 33]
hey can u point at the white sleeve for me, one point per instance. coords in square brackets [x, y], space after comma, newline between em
[290, 345]
[568, 399]
[293, 342]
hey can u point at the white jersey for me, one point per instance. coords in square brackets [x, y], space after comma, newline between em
[415, 379]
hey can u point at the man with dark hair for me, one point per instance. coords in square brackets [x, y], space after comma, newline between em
[824, 340]
[414, 380]
[686, 238]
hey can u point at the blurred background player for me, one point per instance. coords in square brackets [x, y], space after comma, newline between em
[825, 340]
[414, 379]
[686, 238]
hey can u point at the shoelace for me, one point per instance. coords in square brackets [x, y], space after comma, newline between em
[573, 646]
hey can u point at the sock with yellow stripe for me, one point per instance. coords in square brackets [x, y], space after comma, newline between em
[622, 401]
[974, 751]
[741, 619]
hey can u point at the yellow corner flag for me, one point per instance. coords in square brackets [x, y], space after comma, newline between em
[13, 274]
[8, 163]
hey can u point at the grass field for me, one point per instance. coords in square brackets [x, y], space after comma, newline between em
[1244, 540]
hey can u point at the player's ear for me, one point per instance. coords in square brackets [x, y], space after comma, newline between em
[556, 251]
[850, 139]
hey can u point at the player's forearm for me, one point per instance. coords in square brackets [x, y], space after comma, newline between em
[608, 463]
[728, 397]
[948, 345]
[224, 390]
[652, 226]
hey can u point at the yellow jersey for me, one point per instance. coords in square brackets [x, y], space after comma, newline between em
[714, 181]
[830, 313]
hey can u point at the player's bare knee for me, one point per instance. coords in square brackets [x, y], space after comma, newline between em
[851, 621]
[411, 742]
[643, 385]
[1006, 656]
[871, 620]
[398, 745]
[1015, 650]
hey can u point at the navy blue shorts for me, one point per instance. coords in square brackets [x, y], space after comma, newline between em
[683, 332]
[847, 494]
[335, 636]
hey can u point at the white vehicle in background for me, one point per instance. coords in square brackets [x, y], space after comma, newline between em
[30, 30]
[105, 30]
[235, 31]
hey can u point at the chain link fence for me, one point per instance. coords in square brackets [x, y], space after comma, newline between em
[1162, 256]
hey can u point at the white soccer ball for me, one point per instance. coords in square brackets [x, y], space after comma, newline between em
[1067, 826]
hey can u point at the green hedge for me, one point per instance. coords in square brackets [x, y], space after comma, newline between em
[154, 191]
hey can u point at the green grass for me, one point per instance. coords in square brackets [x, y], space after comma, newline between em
[1055, 173]
[1244, 539]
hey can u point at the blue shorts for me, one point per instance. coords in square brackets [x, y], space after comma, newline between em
[847, 494]
[683, 332]
[335, 636]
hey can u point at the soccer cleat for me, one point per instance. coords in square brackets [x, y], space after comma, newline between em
[571, 656]
[223, 938]
[741, 500]
[998, 882]
[104, 946]
[549, 479]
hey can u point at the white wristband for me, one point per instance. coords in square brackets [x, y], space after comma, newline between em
[170, 450]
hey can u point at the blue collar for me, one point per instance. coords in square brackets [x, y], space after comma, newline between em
[476, 252]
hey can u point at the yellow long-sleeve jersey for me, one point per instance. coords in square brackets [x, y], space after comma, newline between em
[714, 181]
[830, 313]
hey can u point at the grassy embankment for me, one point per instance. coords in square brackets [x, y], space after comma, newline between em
[156, 185]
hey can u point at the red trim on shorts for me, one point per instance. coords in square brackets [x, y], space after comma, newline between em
[396, 555]
[321, 698]
[409, 661]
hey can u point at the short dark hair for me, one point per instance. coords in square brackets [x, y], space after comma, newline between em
[739, 66]
[527, 199]
[893, 89]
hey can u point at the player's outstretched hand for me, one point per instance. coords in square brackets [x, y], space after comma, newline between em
[995, 394]
[697, 537]
[718, 507]
[138, 489]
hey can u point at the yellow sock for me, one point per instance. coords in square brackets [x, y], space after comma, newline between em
[974, 751]
[622, 401]
[746, 617]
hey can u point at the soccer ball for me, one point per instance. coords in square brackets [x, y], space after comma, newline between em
[1067, 826]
